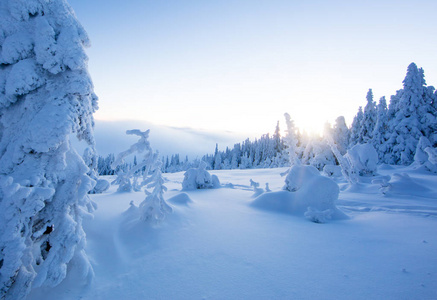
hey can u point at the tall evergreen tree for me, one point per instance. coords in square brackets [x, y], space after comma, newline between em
[380, 132]
[369, 119]
[355, 137]
[414, 117]
[340, 134]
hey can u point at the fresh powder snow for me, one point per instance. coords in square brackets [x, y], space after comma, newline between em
[216, 245]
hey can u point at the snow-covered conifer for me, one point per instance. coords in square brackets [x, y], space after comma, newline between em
[380, 132]
[340, 134]
[414, 117]
[369, 119]
[46, 95]
[291, 140]
[355, 137]
[154, 208]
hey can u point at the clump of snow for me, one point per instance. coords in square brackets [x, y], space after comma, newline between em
[332, 171]
[101, 186]
[200, 178]
[180, 199]
[306, 193]
[256, 189]
[363, 159]
[299, 176]
[318, 216]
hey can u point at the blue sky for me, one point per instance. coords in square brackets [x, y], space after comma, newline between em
[239, 65]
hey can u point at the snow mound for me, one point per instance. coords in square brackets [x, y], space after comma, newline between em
[363, 159]
[180, 199]
[403, 184]
[299, 176]
[101, 186]
[306, 193]
[200, 179]
[332, 171]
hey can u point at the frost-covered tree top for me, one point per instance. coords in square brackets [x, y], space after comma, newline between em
[44, 82]
[340, 134]
[355, 136]
[369, 118]
[414, 116]
[291, 140]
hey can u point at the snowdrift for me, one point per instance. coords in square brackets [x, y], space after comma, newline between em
[307, 193]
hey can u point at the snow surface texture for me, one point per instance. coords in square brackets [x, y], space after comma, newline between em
[219, 247]
[46, 96]
[200, 179]
[307, 193]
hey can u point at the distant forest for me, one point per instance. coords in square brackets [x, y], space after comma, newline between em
[396, 131]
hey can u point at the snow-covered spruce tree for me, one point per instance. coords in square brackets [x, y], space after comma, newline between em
[380, 132]
[291, 141]
[355, 137]
[340, 134]
[414, 117]
[369, 119]
[46, 94]
[154, 208]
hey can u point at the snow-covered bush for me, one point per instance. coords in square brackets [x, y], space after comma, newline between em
[363, 159]
[46, 96]
[425, 155]
[199, 178]
[306, 193]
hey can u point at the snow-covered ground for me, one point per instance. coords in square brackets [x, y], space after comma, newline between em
[215, 245]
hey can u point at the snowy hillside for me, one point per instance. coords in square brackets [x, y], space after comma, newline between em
[215, 245]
